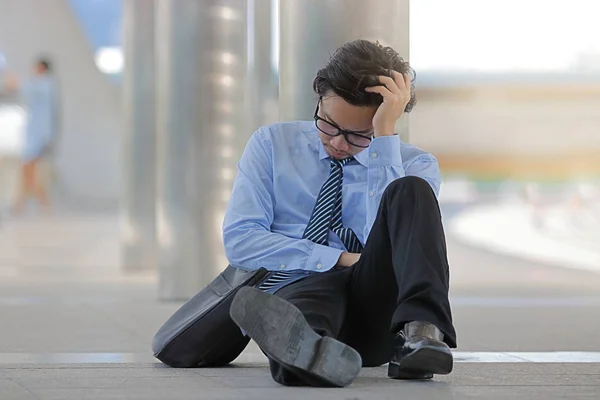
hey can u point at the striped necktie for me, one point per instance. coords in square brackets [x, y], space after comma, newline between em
[327, 213]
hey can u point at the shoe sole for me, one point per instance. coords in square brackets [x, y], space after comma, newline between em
[422, 363]
[282, 332]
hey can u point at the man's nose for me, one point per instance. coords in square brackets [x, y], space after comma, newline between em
[340, 143]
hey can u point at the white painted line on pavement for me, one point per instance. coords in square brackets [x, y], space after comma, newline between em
[555, 357]
[251, 357]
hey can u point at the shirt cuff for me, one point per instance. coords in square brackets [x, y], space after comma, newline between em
[323, 258]
[384, 151]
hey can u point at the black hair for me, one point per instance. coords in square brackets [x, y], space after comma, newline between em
[356, 66]
[45, 62]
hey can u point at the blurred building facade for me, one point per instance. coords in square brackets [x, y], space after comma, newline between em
[216, 83]
[520, 126]
[502, 122]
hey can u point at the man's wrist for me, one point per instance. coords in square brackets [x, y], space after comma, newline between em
[343, 260]
[347, 259]
[388, 131]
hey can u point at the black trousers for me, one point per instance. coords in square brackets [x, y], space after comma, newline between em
[402, 276]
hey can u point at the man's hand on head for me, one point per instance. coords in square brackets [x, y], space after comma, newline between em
[396, 95]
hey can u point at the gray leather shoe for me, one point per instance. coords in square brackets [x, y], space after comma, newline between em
[420, 352]
[284, 335]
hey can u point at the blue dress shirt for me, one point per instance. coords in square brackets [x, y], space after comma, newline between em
[279, 178]
[41, 96]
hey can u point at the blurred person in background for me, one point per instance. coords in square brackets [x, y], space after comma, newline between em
[41, 99]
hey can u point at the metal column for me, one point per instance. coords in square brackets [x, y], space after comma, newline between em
[262, 77]
[202, 129]
[139, 191]
[310, 30]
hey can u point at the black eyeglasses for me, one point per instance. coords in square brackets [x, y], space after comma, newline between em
[331, 129]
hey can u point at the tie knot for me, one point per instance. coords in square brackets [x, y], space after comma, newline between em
[341, 163]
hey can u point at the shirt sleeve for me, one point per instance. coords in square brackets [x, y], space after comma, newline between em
[386, 165]
[426, 166]
[248, 240]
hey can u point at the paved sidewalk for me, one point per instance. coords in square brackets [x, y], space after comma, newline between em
[72, 326]
[147, 381]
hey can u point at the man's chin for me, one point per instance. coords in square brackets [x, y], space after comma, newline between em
[337, 156]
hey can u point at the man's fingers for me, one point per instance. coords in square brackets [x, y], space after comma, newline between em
[382, 90]
[389, 83]
[403, 81]
[399, 80]
[407, 81]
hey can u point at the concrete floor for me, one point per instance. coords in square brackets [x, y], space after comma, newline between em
[73, 327]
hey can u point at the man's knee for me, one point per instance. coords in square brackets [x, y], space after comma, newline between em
[408, 183]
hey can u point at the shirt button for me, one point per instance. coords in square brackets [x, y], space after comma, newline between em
[372, 194]
[374, 155]
[319, 266]
[282, 266]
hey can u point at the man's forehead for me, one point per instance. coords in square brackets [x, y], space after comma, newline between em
[347, 116]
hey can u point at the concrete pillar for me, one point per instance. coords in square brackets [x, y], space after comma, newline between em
[139, 158]
[262, 77]
[202, 129]
[310, 30]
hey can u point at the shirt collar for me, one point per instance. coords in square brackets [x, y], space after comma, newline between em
[362, 157]
[322, 153]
